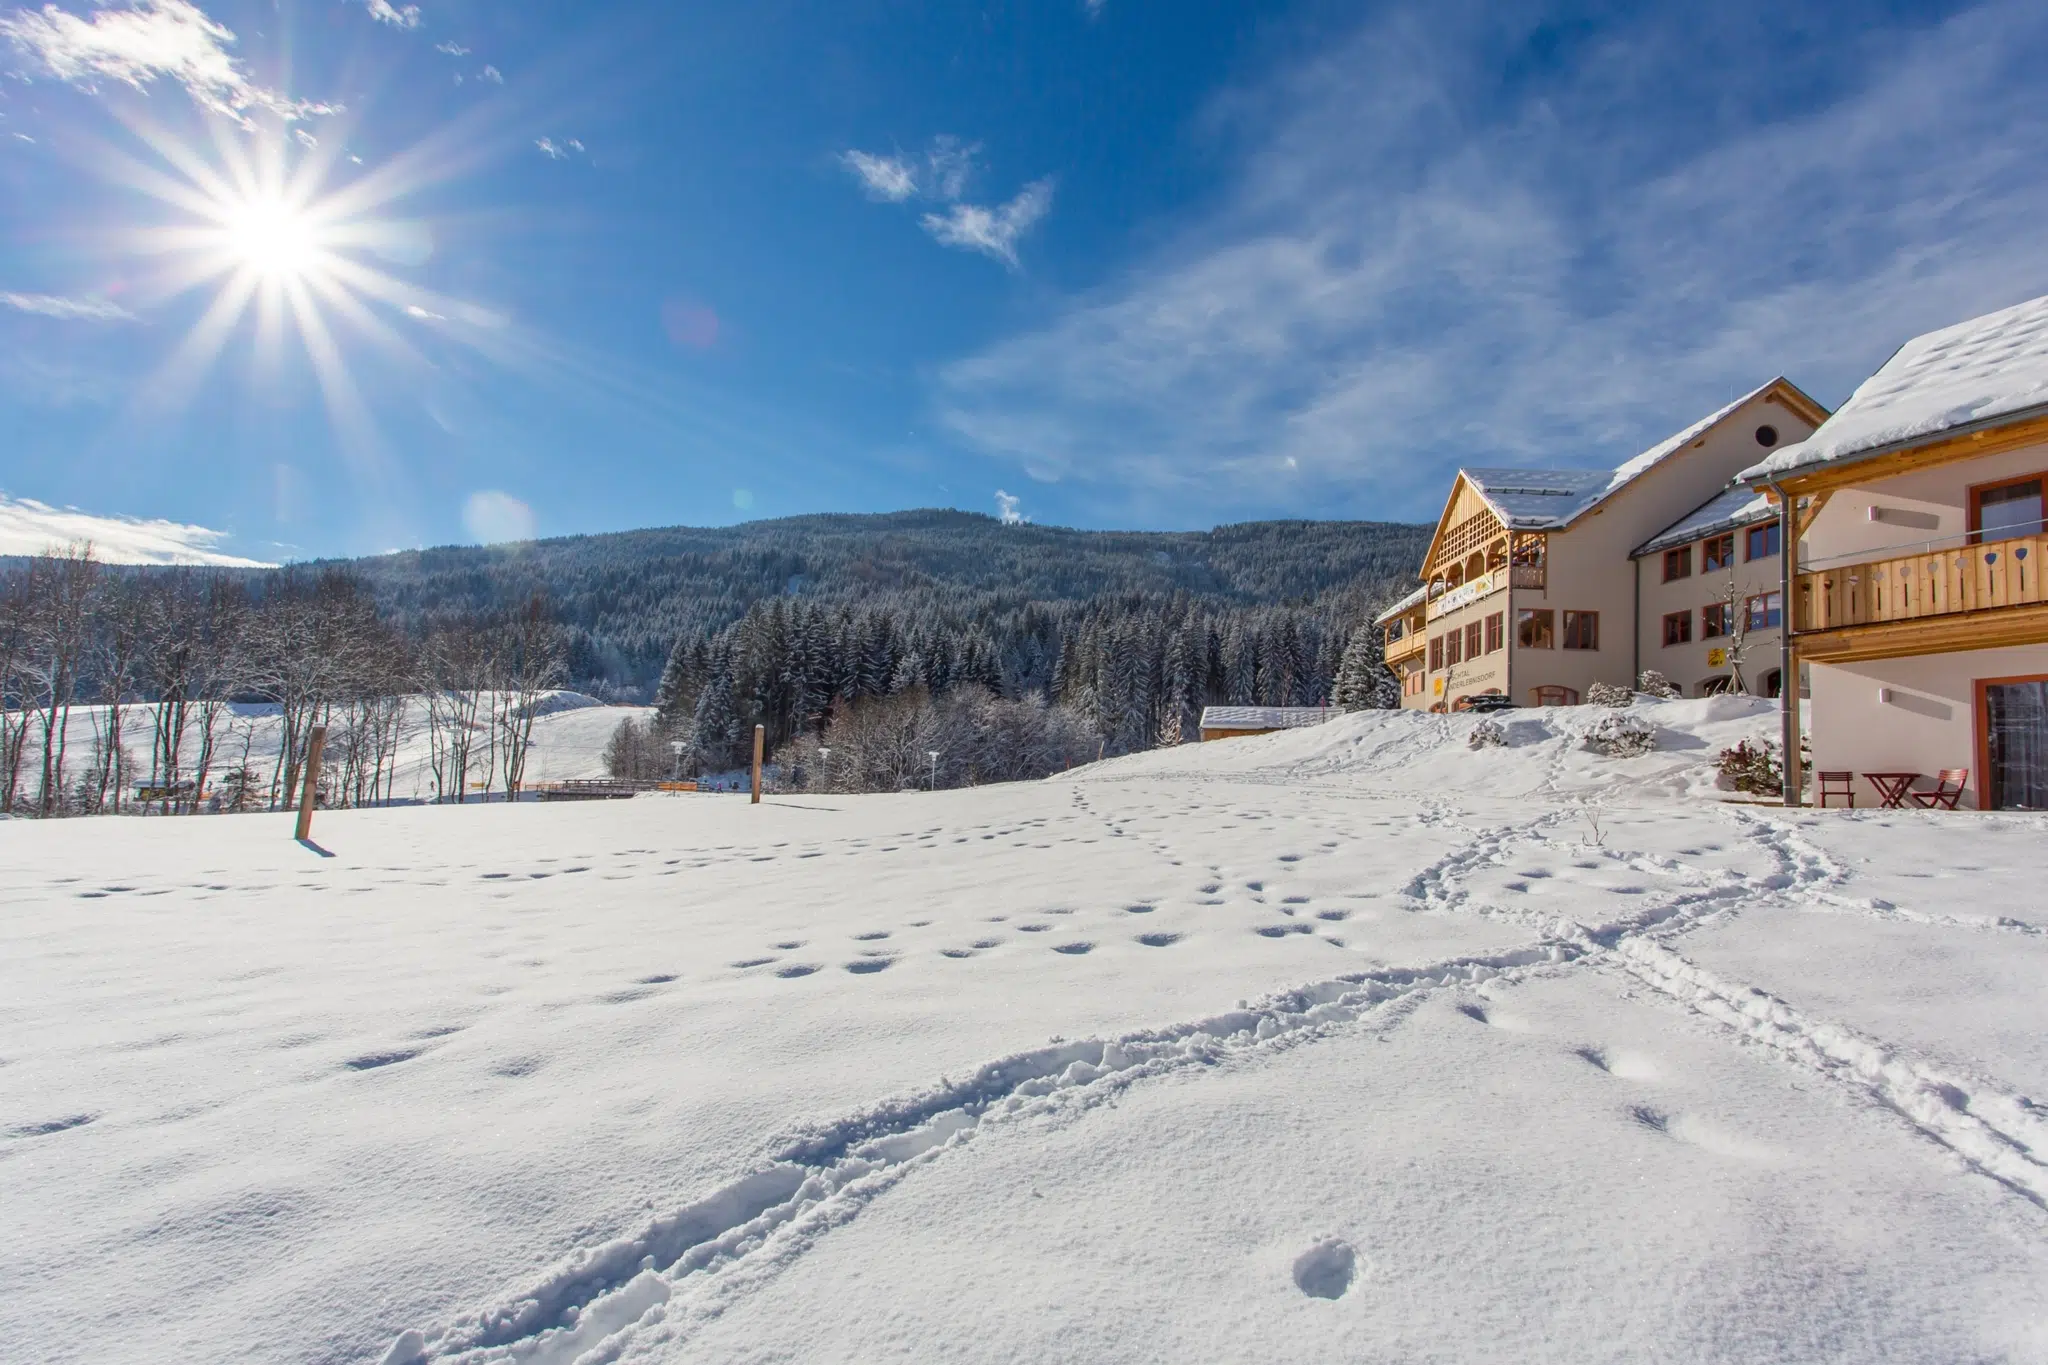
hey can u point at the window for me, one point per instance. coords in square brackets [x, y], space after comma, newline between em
[1765, 611]
[1582, 630]
[1556, 696]
[1678, 629]
[1763, 542]
[2003, 510]
[1533, 626]
[1472, 633]
[1496, 631]
[1713, 620]
[1678, 563]
[1436, 655]
[1718, 553]
[1454, 641]
[1767, 436]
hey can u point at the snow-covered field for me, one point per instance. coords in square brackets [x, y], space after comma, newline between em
[569, 734]
[1349, 1043]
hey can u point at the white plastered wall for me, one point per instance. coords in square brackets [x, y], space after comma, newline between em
[1941, 496]
[1928, 723]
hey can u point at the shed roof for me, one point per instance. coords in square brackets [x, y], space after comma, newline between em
[1973, 373]
[1264, 717]
[1408, 603]
[1735, 505]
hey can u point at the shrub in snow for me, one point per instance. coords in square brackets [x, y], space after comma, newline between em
[1655, 684]
[1607, 694]
[1622, 734]
[1488, 734]
[1753, 768]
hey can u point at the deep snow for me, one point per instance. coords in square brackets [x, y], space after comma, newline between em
[1346, 1042]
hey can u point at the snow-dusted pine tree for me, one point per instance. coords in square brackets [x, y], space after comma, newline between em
[1363, 683]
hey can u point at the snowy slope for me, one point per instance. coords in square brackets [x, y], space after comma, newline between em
[1143, 1063]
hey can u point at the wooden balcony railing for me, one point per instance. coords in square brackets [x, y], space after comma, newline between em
[1528, 575]
[1406, 647]
[1997, 573]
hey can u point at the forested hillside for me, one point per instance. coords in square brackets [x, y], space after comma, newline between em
[628, 598]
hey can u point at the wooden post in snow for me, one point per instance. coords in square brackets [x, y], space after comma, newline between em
[314, 744]
[760, 739]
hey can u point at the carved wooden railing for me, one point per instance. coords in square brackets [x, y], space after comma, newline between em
[1998, 573]
[1410, 644]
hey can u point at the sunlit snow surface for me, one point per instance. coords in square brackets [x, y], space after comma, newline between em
[1349, 1043]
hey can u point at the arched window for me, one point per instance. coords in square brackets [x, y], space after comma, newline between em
[1774, 683]
[1715, 686]
[1556, 696]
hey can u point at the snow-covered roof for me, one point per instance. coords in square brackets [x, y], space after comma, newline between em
[1990, 367]
[1264, 717]
[1735, 505]
[1408, 603]
[1549, 499]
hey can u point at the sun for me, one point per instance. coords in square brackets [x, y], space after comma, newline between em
[271, 238]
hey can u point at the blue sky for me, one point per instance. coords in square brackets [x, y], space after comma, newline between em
[575, 267]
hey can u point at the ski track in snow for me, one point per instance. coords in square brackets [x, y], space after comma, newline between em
[684, 1267]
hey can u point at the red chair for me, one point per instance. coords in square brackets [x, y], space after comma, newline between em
[1838, 784]
[1948, 785]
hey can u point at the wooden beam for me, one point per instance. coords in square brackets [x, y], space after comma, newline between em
[1933, 453]
[1997, 628]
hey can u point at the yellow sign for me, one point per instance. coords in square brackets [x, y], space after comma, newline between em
[1717, 658]
[1437, 686]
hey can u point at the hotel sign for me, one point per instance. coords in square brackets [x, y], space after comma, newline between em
[1465, 594]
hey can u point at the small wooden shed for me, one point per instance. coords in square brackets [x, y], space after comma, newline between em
[1222, 722]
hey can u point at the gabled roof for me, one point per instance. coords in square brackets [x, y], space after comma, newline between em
[1552, 499]
[1264, 717]
[1408, 603]
[1735, 505]
[1983, 371]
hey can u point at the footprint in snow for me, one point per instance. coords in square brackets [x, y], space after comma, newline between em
[869, 966]
[1073, 949]
[1629, 1066]
[51, 1127]
[871, 936]
[1159, 940]
[1325, 1270]
[747, 962]
[370, 1061]
[795, 969]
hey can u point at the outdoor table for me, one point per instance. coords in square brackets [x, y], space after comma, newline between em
[1891, 788]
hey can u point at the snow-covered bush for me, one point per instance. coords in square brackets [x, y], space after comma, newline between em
[1753, 768]
[1621, 734]
[1488, 734]
[1607, 694]
[1655, 684]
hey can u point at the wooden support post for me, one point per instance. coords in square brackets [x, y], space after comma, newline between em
[760, 739]
[314, 744]
[1789, 528]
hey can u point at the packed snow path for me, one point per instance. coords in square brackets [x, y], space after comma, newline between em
[1508, 1077]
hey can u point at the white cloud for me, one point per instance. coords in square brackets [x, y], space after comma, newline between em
[1007, 505]
[886, 177]
[143, 41]
[413, 310]
[558, 151]
[941, 173]
[1413, 270]
[452, 49]
[384, 12]
[992, 231]
[495, 517]
[492, 74]
[28, 527]
[71, 310]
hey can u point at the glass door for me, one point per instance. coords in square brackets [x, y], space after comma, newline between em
[2016, 745]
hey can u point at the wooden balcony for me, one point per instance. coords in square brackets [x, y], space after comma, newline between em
[1407, 647]
[1923, 603]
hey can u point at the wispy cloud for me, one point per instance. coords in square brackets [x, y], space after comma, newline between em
[398, 16]
[142, 42]
[491, 74]
[70, 310]
[942, 174]
[452, 49]
[1412, 271]
[558, 151]
[28, 527]
[992, 231]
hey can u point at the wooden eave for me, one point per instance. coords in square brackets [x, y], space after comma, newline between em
[1994, 628]
[1931, 453]
[1443, 520]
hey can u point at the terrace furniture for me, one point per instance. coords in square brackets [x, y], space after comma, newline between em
[1838, 784]
[1948, 785]
[1892, 788]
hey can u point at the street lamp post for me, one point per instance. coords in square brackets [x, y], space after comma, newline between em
[676, 747]
[825, 766]
[934, 785]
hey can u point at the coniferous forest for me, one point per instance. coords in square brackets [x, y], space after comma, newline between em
[877, 652]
